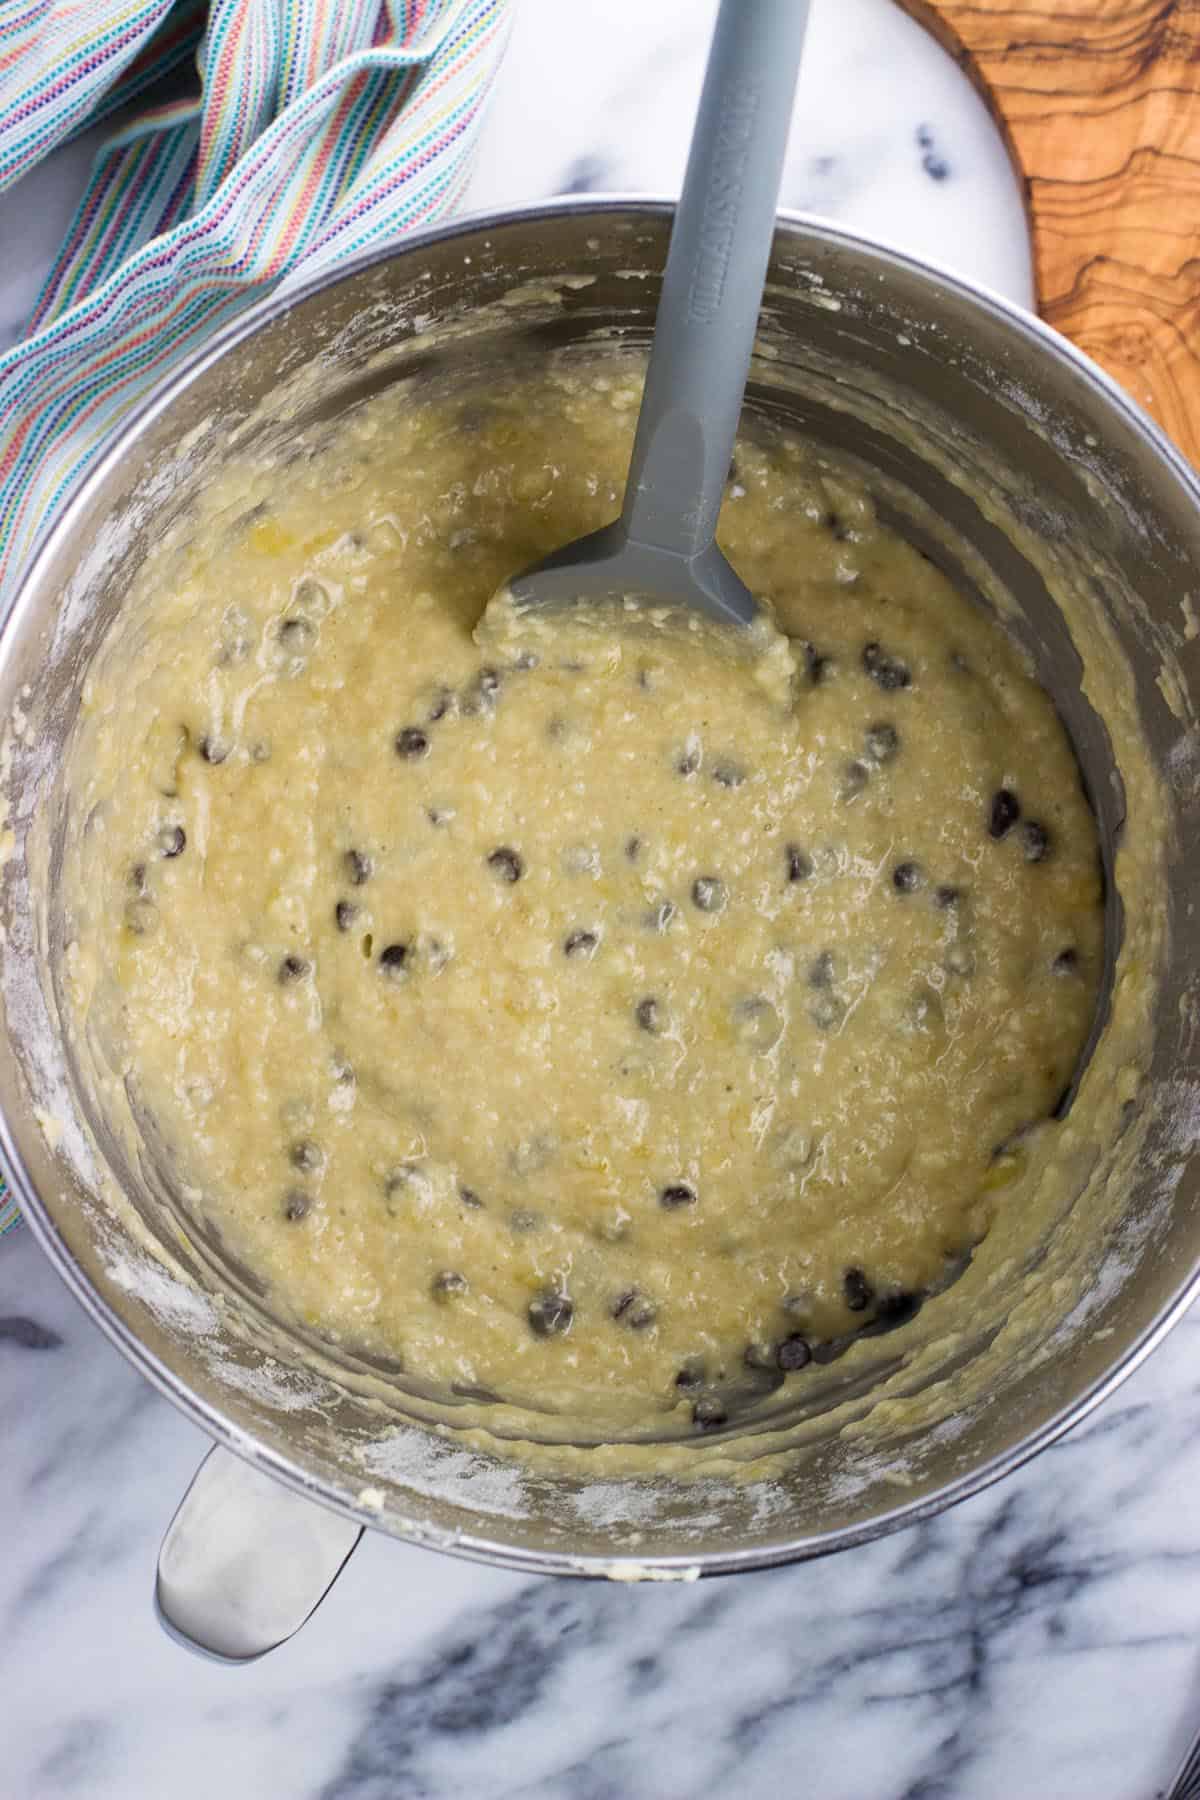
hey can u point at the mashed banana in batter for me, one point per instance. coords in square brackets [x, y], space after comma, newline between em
[579, 1019]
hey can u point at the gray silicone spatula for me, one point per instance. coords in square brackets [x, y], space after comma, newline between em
[662, 546]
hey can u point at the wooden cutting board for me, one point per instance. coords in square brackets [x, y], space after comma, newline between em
[1099, 102]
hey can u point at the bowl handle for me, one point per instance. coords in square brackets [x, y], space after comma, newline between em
[245, 1561]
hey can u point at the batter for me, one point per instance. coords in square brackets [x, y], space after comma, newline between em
[579, 1019]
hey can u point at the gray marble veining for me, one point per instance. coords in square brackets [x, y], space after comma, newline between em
[1039, 1640]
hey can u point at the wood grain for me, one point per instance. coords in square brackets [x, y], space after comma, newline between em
[1099, 102]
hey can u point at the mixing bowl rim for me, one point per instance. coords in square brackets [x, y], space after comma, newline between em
[976, 297]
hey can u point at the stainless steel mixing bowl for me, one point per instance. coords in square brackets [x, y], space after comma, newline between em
[857, 344]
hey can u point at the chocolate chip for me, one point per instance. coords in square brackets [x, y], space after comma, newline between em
[691, 1375]
[633, 848]
[794, 1148]
[649, 1015]
[505, 864]
[855, 776]
[306, 1156]
[141, 917]
[1066, 962]
[892, 1311]
[345, 913]
[296, 634]
[358, 866]
[533, 1154]
[293, 968]
[213, 750]
[678, 1194]
[480, 695]
[634, 1310]
[138, 879]
[827, 1012]
[728, 774]
[799, 863]
[888, 672]
[310, 592]
[857, 1290]
[816, 666]
[882, 742]
[820, 970]
[434, 952]
[1005, 811]
[296, 1205]
[793, 1352]
[236, 642]
[550, 1315]
[687, 762]
[924, 1011]
[1035, 841]
[407, 1178]
[708, 1413]
[759, 1026]
[470, 1198]
[412, 743]
[392, 959]
[448, 1284]
[581, 944]
[907, 877]
[172, 840]
[445, 701]
[946, 896]
[708, 893]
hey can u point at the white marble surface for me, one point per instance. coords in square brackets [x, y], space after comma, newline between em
[1040, 1641]
[890, 138]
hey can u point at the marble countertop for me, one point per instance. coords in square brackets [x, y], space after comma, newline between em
[1041, 1640]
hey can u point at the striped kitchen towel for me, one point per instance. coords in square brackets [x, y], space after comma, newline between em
[316, 128]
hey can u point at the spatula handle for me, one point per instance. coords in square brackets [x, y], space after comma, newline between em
[712, 287]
